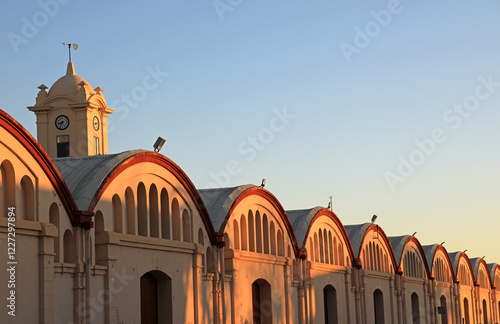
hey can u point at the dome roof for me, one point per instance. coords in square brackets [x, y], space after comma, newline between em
[68, 84]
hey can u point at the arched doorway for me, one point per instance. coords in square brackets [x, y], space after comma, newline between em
[378, 306]
[466, 311]
[485, 312]
[330, 299]
[415, 308]
[443, 311]
[262, 302]
[156, 290]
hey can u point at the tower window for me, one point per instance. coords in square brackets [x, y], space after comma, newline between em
[62, 146]
[97, 150]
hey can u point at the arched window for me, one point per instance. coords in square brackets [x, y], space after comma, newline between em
[280, 243]
[372, 255]
[28, 199]
[154, 222]
[99, 222]
[385, 264]
[327, 250]
[186, 226]
[100, 250]
[244, 238]
[330, 245]
[316, 248]
[341, 254]
[69, 247]
[485, 312]
[311, 250]
[378, 306]
[336, 256]
[54, 219]
[262, 302]
[156, 298]
[415, 308]
[8, 185]
[129, 202]
[236, 235]
[265, 233]
[330, 302]
[200, 237]
[379, 268]
[272, 235]
[117, 213]
[251, 232]
[466, 311]
[321, 249]
[258, 232]
[176, 220]
[142, 210]
[165, 214]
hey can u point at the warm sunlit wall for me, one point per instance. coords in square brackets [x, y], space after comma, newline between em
[151, 246]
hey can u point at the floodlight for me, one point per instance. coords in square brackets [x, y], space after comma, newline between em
[159, 144]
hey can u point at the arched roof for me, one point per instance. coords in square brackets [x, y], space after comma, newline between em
[77, 217]
[221, 202]
[92, 172]
[476, 263]
[303, 219]
[357, 234]
[301, 222]
[430, 253]
[493, 267]
[455, 261]
[95, 173]
[399, 243]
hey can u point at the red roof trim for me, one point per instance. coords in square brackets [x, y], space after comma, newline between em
[377, 228]
[422, 254]
[171, 167]
[259, 191]
[487, 273]
[450, 264]
[45, 162]
[467, 260]
[330, 214]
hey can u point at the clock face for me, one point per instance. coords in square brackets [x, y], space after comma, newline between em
[62, 122]
[96, 123]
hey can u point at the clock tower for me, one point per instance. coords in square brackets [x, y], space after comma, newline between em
[71, 117]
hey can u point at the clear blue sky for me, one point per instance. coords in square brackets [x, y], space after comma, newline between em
[365, 81]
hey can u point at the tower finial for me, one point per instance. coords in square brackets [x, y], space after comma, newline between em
[75, 47]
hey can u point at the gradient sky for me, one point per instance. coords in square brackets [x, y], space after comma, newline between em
[373, 88]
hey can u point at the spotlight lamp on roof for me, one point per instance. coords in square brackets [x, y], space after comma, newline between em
[464, 251]
[374, 218]
[442, 243]
[159, 144]
[263, 184]
[414, 234]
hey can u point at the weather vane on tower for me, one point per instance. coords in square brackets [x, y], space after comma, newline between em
[75, 47]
